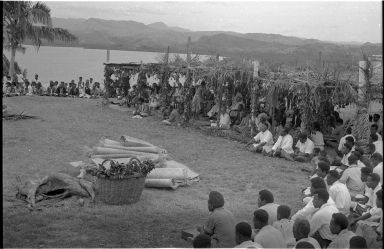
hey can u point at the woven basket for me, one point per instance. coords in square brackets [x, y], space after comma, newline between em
[119, 191]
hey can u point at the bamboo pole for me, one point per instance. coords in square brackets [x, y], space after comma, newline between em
[187, 109]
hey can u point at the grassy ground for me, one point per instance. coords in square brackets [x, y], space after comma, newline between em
[35, 148]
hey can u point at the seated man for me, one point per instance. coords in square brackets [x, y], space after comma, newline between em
[174, 117]
[267, 236]
[264, 141]
[220, 224]
[347, 152]
[303, 149]
[285, 225]
[322, 170]
[317, 136]
[343, 139]
[236, 111]
[337, 132]
[283, 145]
[321, 219]
[265, 202]
[351, 177]
[377, 164]
[225, 119]
[142, 109]
[339, 192]
[374, 139]
[243, 236]
[301, 229]
[374, 128]
[339, 227]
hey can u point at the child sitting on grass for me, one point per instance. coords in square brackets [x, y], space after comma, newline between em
[284, 225]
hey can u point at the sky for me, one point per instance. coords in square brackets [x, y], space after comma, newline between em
[359, 21]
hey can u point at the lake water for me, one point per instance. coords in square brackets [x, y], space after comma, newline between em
[69, 63]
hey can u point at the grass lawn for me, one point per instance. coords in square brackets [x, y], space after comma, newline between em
[37, 147]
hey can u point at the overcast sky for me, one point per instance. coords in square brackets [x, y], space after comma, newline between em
[331, 21]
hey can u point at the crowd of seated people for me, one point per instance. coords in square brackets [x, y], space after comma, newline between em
[87, 89]
[324, 222]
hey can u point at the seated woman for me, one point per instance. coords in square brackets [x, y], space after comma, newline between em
[317, 136]
[154, 102]
[237, 110]
[142, 108]
[225, 120]
[174, 117]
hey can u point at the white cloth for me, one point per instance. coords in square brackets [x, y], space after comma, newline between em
[285, 226]
[379, 146]
[285, 143]
[342, 240]
[379, 137]
[271, 209]
[249, 244]
[342, 141]
[306, 147]
[308, 210]
[352, 178]
[379, 170]
[270, 237]
[318, 140]
[225, 120]
[344, 160]
[264, 137]
[372, 196]
[340, 194]
[321, 219]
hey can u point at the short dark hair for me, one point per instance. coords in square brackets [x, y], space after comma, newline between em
[216, 199]
[322, 194]
[366, 170]
[318, 183]
[375, 177]
[303, 226]
[341, 220]
[357, 154]
[324, 166]
[357, 242]
[350, 139]
[266, 195]
[339, 121]
[371, 146]
[303, 135]
[360, 150]
[316, 126]
[244, 229]
[261, 215]
[377, 156]
[379, 194]
[376, 115]
[304, 245]
[334, 174]
[349, 130]
[202, 241]
[284, 211]
[352, 159]
[324, 159]
[374, 137]
[375, 126]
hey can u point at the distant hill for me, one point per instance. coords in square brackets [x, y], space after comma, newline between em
[155, 37]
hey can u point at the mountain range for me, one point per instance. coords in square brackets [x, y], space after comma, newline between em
[155, 37]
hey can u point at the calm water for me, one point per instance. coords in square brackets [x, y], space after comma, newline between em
[68, 63]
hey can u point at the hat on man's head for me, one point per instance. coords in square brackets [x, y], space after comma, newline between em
[216, 199]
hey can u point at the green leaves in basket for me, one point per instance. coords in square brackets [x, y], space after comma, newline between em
[122, 170]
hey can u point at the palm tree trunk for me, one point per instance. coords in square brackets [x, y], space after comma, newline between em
[12, 63]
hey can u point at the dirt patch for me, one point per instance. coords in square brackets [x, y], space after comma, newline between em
[158, 218]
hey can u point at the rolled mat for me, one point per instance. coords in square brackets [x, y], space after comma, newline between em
[105, 150]
[140, 157]
[129, 139]
[138, 149]
[121, 143]
[161, 183]
[168, 173]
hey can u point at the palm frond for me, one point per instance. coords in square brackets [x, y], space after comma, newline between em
[41, 13]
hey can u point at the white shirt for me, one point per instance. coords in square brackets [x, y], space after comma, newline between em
[318, 139]
[285, 226]
[307, 211]
[352, 178]
[340, 194]
[271, 209]
[306, 147]
[379, 137]
[344, 160]
[249, 244]
[285, 143]
[225, 120]
[270, 237]
[372, 196]
[265, 137]
[321, 219]
[342, 141]
[379, 147]
[379, 170]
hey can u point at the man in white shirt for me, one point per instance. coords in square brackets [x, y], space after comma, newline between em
[308, 210]
[283, 145]
[374, 130]
[243, 236]
[342, 140]
[265, 202]
[351, 177]
[339, 192]
[267, 236]
[303, 149]
[301, 229]
[339, 227]
[373, 183]
[321, 218]
[347, 152]
[262, 142]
